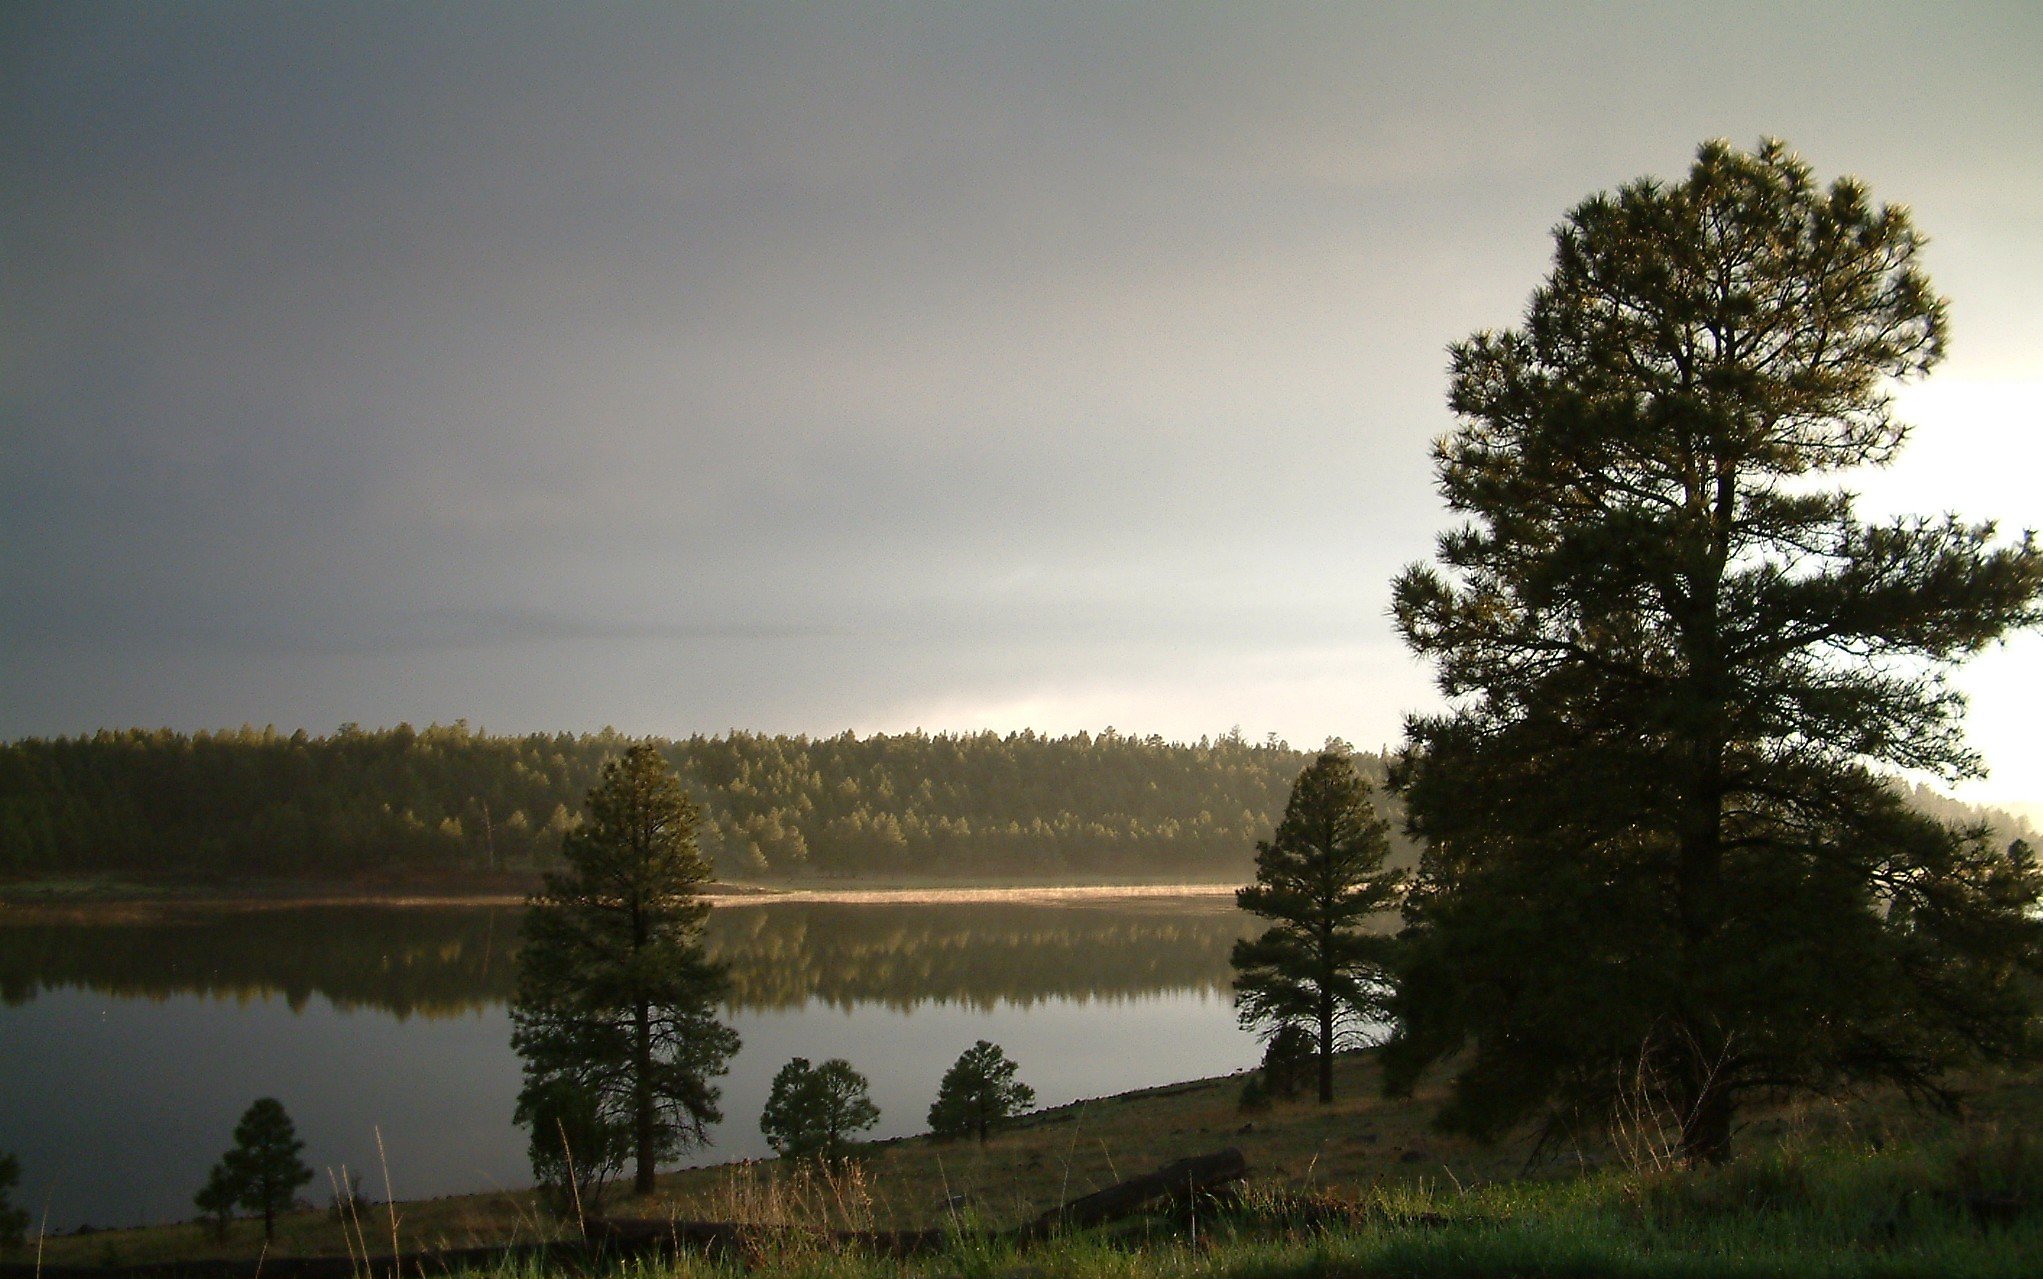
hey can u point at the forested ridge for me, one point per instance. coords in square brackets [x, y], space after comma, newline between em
[445, 801]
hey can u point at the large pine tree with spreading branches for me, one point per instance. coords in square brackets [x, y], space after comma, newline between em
[1667, 863]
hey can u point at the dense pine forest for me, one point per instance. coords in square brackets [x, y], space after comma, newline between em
[446, 802]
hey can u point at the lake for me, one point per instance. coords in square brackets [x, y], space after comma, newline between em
[127, 1051]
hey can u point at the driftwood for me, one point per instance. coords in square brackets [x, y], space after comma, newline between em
[619, 1238]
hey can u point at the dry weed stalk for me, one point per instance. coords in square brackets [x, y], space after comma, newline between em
[389, 1201]
[1644, 1130]
[1646, 1124]
[798, 1210]
[346, 1207]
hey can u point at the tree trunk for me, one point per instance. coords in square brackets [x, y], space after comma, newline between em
[1326, 1044]
[642, 1096]
[1706, 1128]
[269, 1208]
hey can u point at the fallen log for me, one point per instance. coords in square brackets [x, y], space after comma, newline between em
[1181, 1180]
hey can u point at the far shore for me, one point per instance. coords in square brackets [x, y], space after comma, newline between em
[938, 896]
[88, 903]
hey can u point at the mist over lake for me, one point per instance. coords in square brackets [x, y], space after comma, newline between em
[135, 1044]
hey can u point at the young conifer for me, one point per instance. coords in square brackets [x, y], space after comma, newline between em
[1321, 878]
[977, 1092]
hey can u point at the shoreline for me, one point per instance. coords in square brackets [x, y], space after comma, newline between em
[1360, 1145]
[87, 907]
[1048, 894]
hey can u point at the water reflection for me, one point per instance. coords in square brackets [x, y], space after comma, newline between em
[978, 955]
[435, 963]
[127, 1050]
[402, 961]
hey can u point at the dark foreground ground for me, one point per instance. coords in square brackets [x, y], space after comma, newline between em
[1358, 1187]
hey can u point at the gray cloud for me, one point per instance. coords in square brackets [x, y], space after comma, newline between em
[799, 366]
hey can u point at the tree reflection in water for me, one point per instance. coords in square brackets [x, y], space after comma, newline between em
[446, 962]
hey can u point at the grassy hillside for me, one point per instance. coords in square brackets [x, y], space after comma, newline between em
[1361, 1187]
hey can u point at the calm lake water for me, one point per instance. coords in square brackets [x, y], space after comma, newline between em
[128, 1051]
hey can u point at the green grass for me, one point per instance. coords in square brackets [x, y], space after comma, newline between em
[1791, 1211]
[1820, 1212]
[1361, 1188]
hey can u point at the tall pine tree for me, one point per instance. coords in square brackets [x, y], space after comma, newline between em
[616, 1000]
[1666, 858]
[1321, 878]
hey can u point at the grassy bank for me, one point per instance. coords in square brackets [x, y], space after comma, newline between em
[1361, 1187]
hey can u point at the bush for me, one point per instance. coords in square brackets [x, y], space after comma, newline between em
[1289, 1060]
[811, 1112]
[575, 1147]
[977, 1092]
[1255, 1097]
[13, 1220]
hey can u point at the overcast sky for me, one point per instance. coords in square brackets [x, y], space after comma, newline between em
[804, 368]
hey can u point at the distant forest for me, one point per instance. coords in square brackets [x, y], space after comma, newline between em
[446, 802]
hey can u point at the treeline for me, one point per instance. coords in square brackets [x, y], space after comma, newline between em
[445, 801]
[256, 802]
